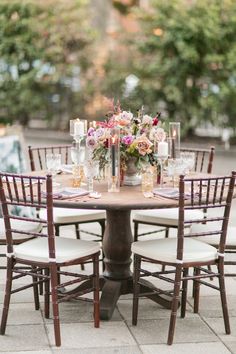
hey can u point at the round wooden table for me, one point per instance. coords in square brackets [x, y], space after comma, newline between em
[117, 240]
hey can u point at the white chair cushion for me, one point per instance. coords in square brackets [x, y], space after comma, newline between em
[168, 217]
[66, 249]
[27, 226]
[165, 250]
[214, 239]
[64, 215]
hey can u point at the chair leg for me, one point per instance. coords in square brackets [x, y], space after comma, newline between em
[41, 285]
[7, 296]
[223, 297]
[184, 293]
[196, 291]
[96, 292]
[163, 268]
[167, 232]
[56, 321]
[47, 296]
[136, 288]
[77, 232]
[174, 306]
[57, 230]
[35, 289]
[136, 231]
[103, 225]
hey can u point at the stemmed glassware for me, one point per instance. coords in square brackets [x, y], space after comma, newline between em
[91, 170]
[188, 159]
[176, 167]
[53, 163]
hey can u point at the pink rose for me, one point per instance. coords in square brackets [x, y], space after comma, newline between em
[91, 142]
[143, 145]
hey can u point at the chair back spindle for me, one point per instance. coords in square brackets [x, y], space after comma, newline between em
[16, 189]
[37, 155]
[207, 193]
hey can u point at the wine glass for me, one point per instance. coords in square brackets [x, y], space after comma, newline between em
[176, 167]
[91, 170]
[188, 158]
[53, 163]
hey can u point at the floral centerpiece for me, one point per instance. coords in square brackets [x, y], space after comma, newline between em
[139, 136]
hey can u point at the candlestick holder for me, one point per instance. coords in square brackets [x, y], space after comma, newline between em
[174, 134]
[161, 161]
[114, 160]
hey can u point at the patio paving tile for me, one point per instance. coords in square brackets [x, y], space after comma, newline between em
[24, 338]
[217, 325]
[186, 348]
[231, 346]
[147, 310]
[30, 352]
[84, 335]
[111, 350]
[187, 330]
[23, 314]
[78, 311]
[210, 306]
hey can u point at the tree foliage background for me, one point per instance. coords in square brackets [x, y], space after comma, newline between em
[181, 61]
[184, 57]
[44, 59]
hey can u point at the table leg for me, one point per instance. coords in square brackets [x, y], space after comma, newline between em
[117, 249]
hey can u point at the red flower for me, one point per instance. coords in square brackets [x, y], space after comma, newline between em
[155, 121]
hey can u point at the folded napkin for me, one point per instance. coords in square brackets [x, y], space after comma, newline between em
[172, 193]
[67, 193]
[66, 168]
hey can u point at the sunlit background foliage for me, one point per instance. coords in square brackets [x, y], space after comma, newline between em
[60, 59]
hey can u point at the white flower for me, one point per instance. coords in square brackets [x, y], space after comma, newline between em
[147, 119]
[124, 118]
[158, 134]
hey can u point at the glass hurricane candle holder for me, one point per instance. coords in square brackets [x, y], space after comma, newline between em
[78, 128]
[174, 134]
[114, 160]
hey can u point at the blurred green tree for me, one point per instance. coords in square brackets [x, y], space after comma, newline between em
[184, 57]
[44, 59]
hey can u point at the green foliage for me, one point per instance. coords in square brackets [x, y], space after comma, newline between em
[44, 46]
[185, 59]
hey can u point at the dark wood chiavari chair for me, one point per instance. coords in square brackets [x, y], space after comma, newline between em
[185, 251]
[45, 251]
[65, 216]
[168, 218]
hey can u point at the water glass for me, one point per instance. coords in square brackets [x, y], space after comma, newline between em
[53, 163]
[175, 169]
[188, 159]
[91, 170]
[147, 180]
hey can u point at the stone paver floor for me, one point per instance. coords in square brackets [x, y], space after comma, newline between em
[28, 332]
